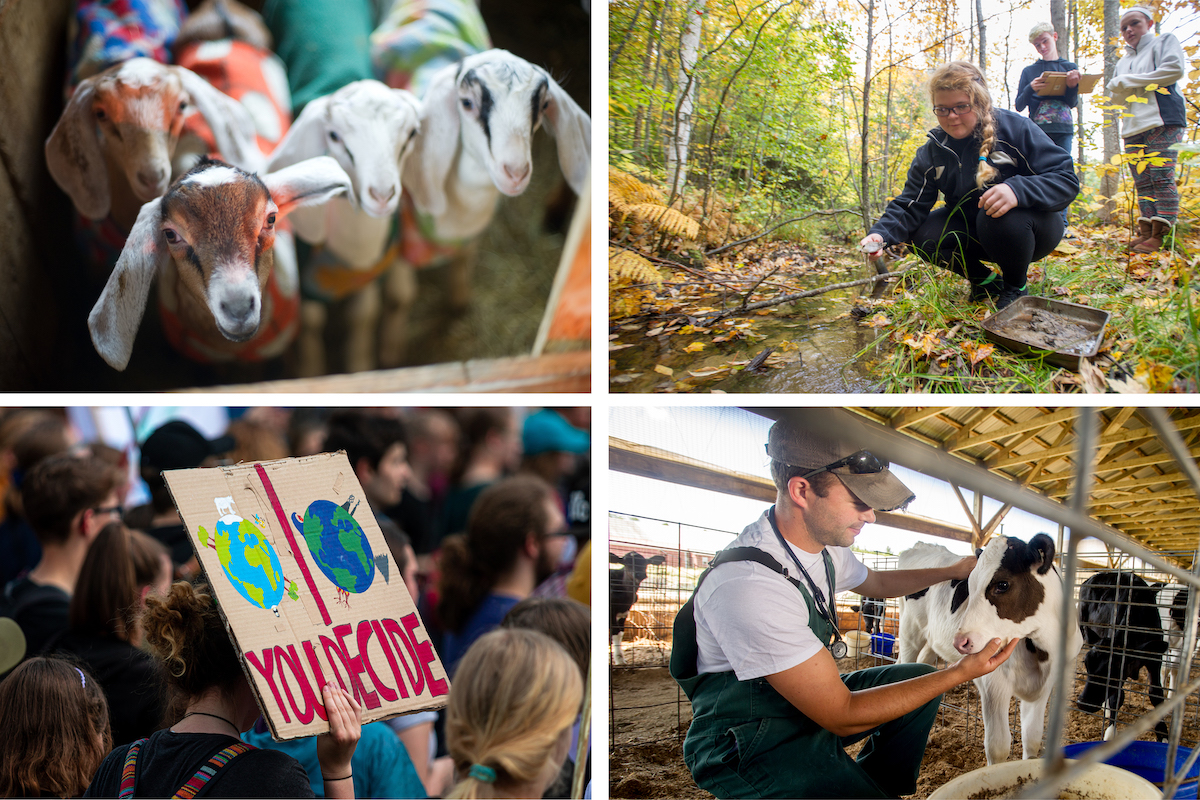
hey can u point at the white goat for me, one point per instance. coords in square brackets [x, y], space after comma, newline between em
[113, 148]
[210, 239]
[369, 129]
[475, 144]
[1013, 592]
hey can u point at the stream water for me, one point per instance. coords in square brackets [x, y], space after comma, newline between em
[827, 339]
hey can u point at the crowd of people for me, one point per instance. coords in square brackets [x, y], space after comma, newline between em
[118, 677]
[1008, 180]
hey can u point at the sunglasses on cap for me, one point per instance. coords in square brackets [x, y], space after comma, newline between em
[860, 463]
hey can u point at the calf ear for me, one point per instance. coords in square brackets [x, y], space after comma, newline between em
[1044, 546]
[311, 182]
[657, 560]
[613, 558]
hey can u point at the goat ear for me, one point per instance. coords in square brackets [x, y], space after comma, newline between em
[115, 318]
[305, 139]
[571, 128]
[231, 123]
[428, 167]
[309, 183]
[74, 158]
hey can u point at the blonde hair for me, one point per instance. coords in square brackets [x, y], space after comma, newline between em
[963, 76]
[1039, 29]
[514, 693]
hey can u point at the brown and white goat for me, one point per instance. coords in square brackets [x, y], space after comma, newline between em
[210, 239]
[114, 146]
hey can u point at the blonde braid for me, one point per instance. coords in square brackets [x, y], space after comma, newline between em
[963, 76]
[985, 173]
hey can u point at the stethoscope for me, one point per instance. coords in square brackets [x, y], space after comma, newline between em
[837, 647]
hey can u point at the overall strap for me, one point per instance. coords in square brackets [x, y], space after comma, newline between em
[129, 771]
[214, 765]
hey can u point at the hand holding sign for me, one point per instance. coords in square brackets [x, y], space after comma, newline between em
[336, 748]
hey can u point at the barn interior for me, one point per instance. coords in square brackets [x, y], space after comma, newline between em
[1121, 487]
[526, 329]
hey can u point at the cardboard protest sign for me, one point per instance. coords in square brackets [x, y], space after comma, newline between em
[308, 589]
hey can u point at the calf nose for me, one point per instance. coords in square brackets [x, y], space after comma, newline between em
[964, 644]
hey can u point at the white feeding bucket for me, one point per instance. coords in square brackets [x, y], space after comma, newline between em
[858, 642]
[1100, 782]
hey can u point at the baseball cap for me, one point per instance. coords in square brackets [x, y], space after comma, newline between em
[547, 430]
[824, 436]
[177, 445]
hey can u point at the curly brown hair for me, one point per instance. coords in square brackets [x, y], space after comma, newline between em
[56, 729]
[185, 632]
[963, 76]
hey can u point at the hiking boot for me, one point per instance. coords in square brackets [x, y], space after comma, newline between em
[1145, 229]
[1154, 241]
[986, 291]
[1007, 295]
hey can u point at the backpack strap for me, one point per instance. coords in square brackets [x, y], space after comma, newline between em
[750, 554]
[129, 771]
[214, 765]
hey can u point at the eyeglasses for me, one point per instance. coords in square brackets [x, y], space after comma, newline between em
[860, 463]
[117, 509]
[958, 110]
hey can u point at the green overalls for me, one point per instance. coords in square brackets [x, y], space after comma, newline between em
[747, 740]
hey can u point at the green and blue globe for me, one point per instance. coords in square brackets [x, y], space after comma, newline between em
[338, 545]
[249, 561]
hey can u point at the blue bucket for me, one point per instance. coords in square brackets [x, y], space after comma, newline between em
[1146, 760]
[883, 644]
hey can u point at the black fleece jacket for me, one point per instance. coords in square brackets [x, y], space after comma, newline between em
[1039, 172]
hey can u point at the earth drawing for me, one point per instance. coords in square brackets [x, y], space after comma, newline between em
[249, 561]
[338, 545]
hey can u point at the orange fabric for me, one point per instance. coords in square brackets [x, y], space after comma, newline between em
[573, 317]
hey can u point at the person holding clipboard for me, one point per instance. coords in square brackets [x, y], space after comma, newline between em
[1050, 113]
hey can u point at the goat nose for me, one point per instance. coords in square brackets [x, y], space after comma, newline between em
[517, 173]
[379, 197]
[239, 309]
[151, 176]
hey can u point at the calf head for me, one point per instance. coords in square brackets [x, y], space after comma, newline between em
[635, 565]
[1013, 592]
[1108, 668]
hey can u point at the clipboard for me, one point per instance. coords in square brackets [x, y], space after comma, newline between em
[1056, 84]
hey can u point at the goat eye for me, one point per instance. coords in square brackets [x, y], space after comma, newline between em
[100, 115]
[333, 137]
[271, 220]
[467, 104]
[183, 104]
[171, 236]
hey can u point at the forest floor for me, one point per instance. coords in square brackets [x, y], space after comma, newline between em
[916, 334]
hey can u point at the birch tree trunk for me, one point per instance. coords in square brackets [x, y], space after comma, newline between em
[864, 158]
[681, 133]
[982, 38]
[1058, 18]
[1112, 139]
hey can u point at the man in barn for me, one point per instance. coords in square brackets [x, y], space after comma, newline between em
[755, 648]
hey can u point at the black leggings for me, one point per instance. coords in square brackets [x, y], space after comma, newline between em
[961, 240]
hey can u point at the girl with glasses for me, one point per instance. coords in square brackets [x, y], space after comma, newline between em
[1004, 183]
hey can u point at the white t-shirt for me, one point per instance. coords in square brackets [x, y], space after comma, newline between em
[752, 620]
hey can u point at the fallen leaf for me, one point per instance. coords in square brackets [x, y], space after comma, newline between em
[694, 347]
[612, 348]
[707, 371]
[655, 331]
[661, 370]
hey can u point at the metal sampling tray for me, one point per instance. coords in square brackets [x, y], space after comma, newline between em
[1062, 332]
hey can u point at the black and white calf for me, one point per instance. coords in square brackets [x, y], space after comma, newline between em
[1119, 615]
[872, 612]
[623, 586]
[1172, 610]
[1013, 592]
